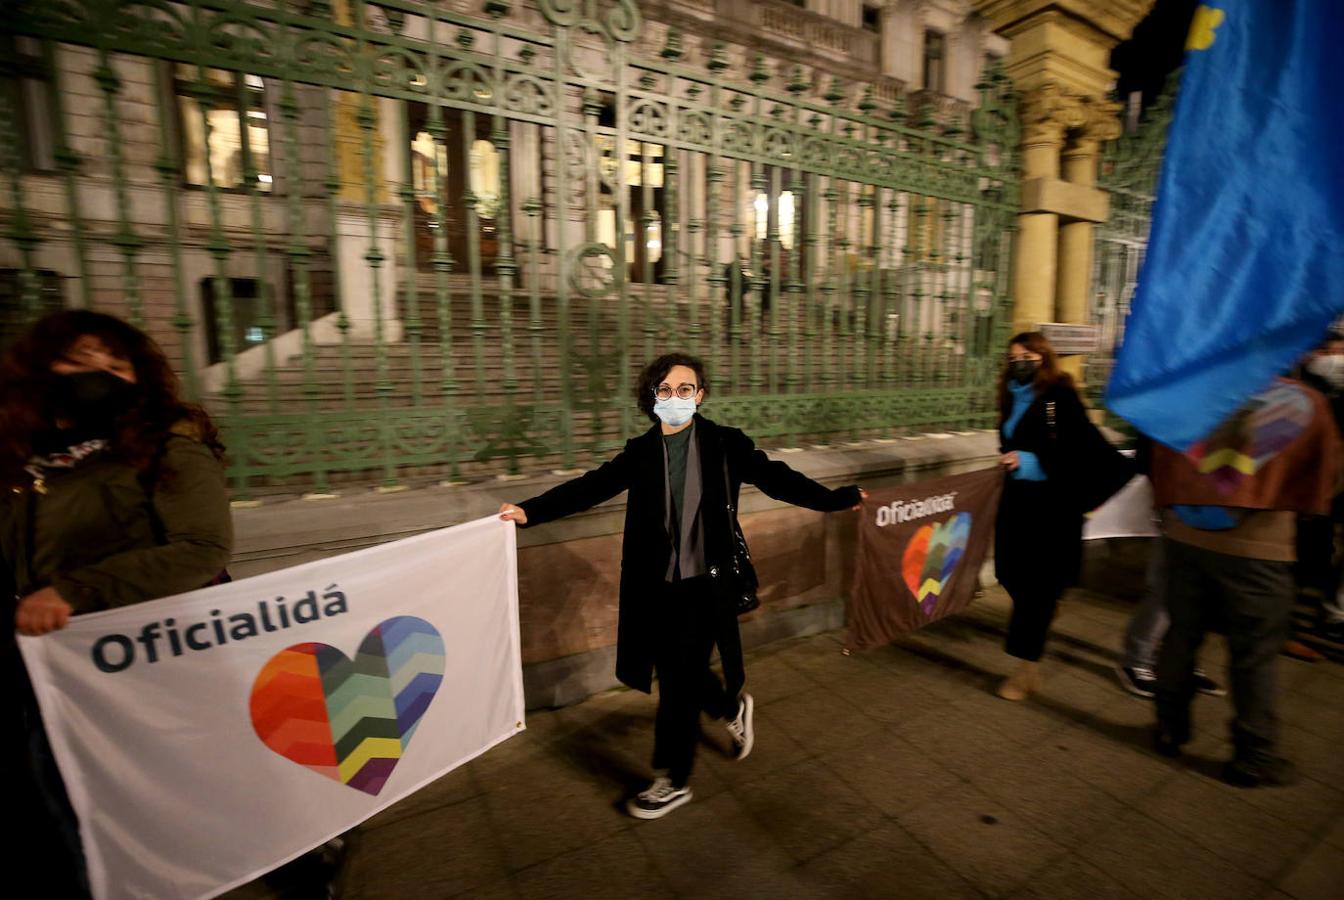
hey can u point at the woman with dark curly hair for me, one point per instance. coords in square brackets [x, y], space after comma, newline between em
[685, 573]
[111, 493]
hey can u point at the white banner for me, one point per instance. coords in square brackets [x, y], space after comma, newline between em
[1128, 514]
[207, 738]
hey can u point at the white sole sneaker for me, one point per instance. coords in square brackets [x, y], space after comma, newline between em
[633, 808]
[1130, 685]
[743, 750]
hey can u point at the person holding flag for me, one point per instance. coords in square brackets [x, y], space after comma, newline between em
[1246, 254]
[1241, 278]
[1229, 515]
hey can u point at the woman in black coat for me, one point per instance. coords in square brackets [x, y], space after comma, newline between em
[679, 592]
[1059, 466]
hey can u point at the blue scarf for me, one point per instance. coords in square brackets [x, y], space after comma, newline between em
[1023, 396]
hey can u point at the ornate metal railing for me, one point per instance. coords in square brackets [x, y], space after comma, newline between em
[1129, 170]
[396, 241]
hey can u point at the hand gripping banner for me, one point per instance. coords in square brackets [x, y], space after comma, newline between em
[920, 550]
[207, 738]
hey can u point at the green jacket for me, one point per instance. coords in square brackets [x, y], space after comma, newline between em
[103, 538]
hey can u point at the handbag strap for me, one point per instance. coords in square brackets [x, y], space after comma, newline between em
[727, 491]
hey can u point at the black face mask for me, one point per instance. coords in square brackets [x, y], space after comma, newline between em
[92, 398]
[1023, 370]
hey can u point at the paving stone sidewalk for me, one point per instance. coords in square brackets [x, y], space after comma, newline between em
[894, 773]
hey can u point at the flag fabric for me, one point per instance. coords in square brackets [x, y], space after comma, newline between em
[1245, 264]
[207, 738]
[921, 546]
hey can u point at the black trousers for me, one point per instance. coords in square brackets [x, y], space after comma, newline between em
[1251, 600]
[48, 838]
[1316, 566]
[689, 622]
[1034, 607]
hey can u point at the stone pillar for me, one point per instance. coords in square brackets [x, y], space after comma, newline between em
[1059, 63]
[1034, 254]
[1081, 157]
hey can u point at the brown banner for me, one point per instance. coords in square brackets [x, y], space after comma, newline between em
[920, 550]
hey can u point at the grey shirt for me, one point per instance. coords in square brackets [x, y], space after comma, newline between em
[678, 446]
[681, 461]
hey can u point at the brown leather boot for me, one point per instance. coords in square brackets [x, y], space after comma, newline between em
[1021, 684]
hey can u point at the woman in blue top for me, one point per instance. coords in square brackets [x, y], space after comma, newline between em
[1044, 433]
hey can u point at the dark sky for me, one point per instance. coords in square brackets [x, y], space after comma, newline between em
[1155, 50]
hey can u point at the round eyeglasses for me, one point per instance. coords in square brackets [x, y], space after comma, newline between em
[682, 392]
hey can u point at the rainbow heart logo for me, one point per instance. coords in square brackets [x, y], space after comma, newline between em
[1263, 429]
[350, 720]
[931, 557]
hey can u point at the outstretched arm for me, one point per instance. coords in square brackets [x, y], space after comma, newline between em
[575, 495]
[778, 480]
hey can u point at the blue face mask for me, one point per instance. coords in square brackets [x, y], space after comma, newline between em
[674, 412]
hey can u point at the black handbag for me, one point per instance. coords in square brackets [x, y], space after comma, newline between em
[1096, 471]
[741, 578]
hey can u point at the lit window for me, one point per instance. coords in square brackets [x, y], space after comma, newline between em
[484, 164]
[235, 111]
[784, 210]
[643, 173]
[653, 237]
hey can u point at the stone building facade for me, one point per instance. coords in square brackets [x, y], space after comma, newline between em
[430, 243]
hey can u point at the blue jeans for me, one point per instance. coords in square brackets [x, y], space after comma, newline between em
[1144, 635]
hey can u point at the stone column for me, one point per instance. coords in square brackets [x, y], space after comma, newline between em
[1080, 160]
[1075, 238]
[1059, 63]
[1035, 252]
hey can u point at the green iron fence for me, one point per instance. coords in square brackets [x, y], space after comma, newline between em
[1129, 171]
[393, 241]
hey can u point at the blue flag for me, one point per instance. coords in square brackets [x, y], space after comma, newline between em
[1245, 264]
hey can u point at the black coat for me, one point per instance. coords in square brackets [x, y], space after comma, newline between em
[646, 546]
[1039, 533]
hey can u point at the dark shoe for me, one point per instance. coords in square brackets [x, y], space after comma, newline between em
[1332, 632]
[742, 728]
[1138, 680]
[1273, 771]
[1206, 685]
[1166, 744]
[336, 855]
[658, 800]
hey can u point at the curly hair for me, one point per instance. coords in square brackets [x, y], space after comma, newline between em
[656, 371]
[1047, 374]
[27, 382]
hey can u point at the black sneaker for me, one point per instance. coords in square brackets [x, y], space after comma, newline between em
[1165, 743]
[1273, 771]
[1206, 685]
[658, 800]
[1332, 632]
[1138, 680]
[741, 729]
[335, 856]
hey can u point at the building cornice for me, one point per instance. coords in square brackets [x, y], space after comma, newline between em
[1112, 20]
